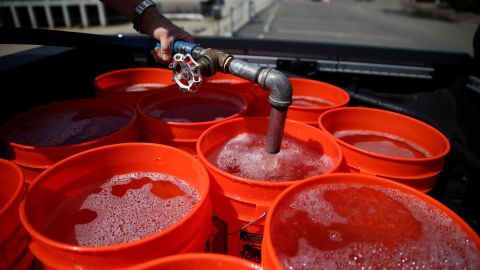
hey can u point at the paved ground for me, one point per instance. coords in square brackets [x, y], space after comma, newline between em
[376, 22]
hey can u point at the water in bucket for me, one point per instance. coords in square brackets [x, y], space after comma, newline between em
[67, 128]
[343, 226]
[382, 143]
[245, 156]
[194, 110]
[122, 209]
[140, 87]
[307, 101]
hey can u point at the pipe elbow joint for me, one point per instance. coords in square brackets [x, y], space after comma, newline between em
[279, 86]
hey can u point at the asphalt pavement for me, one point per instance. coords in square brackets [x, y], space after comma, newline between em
[382, 23]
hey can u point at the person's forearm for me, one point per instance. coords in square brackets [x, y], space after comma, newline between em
[154, 24]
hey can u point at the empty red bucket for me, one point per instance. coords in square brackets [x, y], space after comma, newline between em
[199, 261]
[177, 119]
[387, 144]
[310, 99]
[131, 84]
[343, 221]
[242, 198]
[100, 209]
[13, 238]
[38, 138]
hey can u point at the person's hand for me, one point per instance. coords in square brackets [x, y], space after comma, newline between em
[163, 30]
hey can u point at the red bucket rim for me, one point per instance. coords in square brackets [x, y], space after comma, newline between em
[408, 118]
[4, 132]
[321, 84]
[18, 189]
[100, 77]
[263, 182]
[378, 182]
[140, 107]
[89, 249]
[199, 256]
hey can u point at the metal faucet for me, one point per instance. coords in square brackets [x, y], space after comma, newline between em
[210, 61]
[189, 76]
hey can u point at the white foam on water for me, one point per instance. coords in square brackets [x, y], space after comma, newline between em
[156, 113]
[99, 126]
[159, 114]
[319, 210]
[61, 129]
[136, 215]
[245, 156]
[308, 101]
[386, 148]
[50, 130]
[140, 87]
[442, 243]
[383, 147]
[176, 120]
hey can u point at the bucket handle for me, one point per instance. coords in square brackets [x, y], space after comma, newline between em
[262, 215]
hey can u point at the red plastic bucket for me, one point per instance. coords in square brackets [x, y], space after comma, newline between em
[199, 261]
[350, 220]
[72, 181]
[38, 138]
[388, 144]
[224, 79]
[231, 83]
[178, 119]
[310, 99]
[131, 84]
[13, 238]
[239, 200]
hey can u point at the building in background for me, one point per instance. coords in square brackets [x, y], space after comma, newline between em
[84, 13]
[200, 17]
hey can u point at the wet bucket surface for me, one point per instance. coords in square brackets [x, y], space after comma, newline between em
[38, 138]
[178, 119]
[238, 200]
[388, 144]
[199, 261]
[131, 84]
[114, 206]
[348, 221]
[13, 238]
[310, 99]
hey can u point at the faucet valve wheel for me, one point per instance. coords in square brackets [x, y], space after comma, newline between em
[186, 72]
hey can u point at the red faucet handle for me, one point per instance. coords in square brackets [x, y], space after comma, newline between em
[186, 72]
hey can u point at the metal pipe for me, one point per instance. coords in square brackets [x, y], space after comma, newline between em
[280, 97]
[269, 79]
[276, 125]
[242, 69]
[277, 83]
[210, 61]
